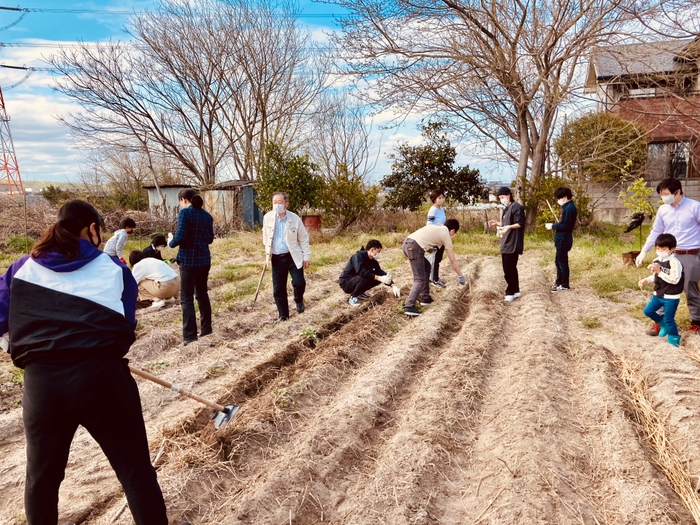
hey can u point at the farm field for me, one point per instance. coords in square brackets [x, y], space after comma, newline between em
[556, 408]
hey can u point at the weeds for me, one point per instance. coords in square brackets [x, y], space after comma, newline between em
[310, 334]
[590, 321]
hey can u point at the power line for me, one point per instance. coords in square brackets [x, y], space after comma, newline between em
[121, 12]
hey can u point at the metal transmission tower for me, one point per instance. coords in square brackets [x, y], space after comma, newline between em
[9, 168]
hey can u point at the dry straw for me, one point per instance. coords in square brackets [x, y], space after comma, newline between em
[653, 429]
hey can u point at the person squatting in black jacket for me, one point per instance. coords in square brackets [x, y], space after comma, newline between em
[362, 273]
[69, 309]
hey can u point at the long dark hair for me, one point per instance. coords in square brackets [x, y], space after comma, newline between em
[190, 195]
[62, 237]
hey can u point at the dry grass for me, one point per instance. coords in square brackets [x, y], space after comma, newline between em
[653, 429]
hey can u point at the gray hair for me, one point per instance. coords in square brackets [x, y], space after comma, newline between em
[286, 197]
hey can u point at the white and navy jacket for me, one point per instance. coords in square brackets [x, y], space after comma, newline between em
[51, 304]
[668, 283]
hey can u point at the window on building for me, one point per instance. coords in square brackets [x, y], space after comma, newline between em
[668, 159]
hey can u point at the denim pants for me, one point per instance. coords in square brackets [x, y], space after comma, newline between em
[193, 284]
[420, 267]
[669, 314]
[282, 266]
[561, 261]
[94, 390]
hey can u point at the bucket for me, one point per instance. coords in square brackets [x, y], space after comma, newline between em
[312, 222]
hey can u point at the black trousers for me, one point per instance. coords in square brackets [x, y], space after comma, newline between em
[435, 273]
[282, 267]
[357, 285]
[561, 260]
[193, 284]
[510, 272]
[99, 393]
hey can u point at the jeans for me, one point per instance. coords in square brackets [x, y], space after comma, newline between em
[421, 270]
[358, 285]
[510, 272]
[561, 261]
[669, 313]
[435, 273]
[98, 392]
[193, 283]
[282, 266]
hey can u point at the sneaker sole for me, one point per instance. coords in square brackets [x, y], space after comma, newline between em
[412, 314]
[438, 284]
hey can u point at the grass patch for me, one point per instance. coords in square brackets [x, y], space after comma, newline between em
[590, 321]
[17, 376]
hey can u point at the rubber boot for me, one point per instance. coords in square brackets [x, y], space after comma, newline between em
[674, 340]
[663, 329]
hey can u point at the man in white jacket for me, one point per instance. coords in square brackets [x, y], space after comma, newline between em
[287, 245]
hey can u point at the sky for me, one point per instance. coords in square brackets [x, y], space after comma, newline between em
[44, 149]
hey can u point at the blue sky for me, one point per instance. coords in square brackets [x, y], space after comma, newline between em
[44, 151]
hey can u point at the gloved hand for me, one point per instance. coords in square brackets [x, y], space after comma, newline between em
[462, 279]
[640, 259]
[170, 237]
[5, 341]
[396, 290]
[548, 225]
[385, 279]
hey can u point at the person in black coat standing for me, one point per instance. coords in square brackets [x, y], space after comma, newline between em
[563, 237]
[512, 233]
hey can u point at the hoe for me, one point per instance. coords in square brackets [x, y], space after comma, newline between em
[222, 415]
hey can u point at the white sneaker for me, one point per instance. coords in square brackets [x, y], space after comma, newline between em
[354, 301]
[160, 303]
[509, 298]
[170, 301]
[516, 295]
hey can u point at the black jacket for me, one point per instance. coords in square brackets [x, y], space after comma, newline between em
[150, 251]
[564, 228]
[513, 240]
[361, 265]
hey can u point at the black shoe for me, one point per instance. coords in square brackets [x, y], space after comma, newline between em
[187, 341]
[205, 333]
[281, 319]
[300, 308]
[411, 311]
[560, 288]
[425, 301]
[439, 283]
[362, 296]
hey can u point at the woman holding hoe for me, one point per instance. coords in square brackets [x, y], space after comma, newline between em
[69, 309]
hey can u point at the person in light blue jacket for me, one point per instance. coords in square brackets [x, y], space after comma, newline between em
[436, 217]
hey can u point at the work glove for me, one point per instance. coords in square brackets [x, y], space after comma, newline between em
[396, 290]
[548, 225]
[170, 237]
[640, 259]
[462, 279]
[5, 341]
[385, 279]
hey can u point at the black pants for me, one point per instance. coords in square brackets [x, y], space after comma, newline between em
[193, 283]
[435, 273]
[561, 261]
[99, 393]
[510, 272]
[282, 266]
[357, 285]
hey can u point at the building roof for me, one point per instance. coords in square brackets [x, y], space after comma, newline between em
[226, 185]
[645, 58]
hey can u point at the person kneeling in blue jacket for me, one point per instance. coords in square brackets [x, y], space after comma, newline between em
[363, 273]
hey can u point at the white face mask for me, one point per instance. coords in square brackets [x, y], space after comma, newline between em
[279, 208]
[159, 248]
[377, 256]
[561, 202]
[439, 201]
[668, 199]
[662, 255]
[504, 201]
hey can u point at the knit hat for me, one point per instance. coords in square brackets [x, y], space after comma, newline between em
[504, 190]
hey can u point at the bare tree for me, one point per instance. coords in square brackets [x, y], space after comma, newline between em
[205, 83]
[500, 70]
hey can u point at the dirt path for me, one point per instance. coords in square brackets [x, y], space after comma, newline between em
[540, 411]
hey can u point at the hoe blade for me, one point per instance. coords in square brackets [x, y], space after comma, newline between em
[222, 417]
